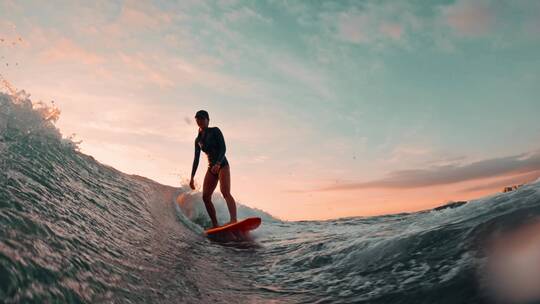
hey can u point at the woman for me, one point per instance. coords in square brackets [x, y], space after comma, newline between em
[211, 141]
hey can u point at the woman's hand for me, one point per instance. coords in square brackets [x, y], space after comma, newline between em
[215, 168]
[192, 184]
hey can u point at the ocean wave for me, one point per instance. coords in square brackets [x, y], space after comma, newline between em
[75, 230]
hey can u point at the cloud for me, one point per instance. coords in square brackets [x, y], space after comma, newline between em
[11, 6]
[373, 23]
[406, 152]
[291, 7]
[257, 159]
[449, 174]
[391, 30]
[166, 71]
[354, 28]
[66, 50]
[398, 23]
[119, 119]
[519, 179]
[245, 13]
[470, 18]
[227, 3]
[136, 16]
[151, 73]
[309, 76]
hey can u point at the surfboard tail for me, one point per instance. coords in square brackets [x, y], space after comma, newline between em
[245, 225]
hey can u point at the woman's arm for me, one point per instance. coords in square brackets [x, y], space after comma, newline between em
[196, 159]
[221, 146]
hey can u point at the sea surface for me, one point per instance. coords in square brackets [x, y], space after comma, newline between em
[73, 230]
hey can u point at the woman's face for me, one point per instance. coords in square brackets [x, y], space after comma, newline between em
[201, 122]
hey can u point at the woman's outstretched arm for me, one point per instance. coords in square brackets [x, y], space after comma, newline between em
[196, 159]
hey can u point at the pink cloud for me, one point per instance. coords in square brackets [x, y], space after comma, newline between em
[10, 5]
[353, 28]
[374, 24]
[449, 174]
[499, 184]
[391, 30]
[135, 17]
[180, 72]
[134, 14]
[66, 50]
[470, 18]
[152, 74]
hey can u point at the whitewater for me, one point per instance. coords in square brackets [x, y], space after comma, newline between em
[73, 230]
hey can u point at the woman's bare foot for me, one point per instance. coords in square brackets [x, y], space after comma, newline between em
[232, 222]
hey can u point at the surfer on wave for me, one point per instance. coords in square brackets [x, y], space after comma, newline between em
[211, 141]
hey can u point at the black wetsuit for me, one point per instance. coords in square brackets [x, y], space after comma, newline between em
[211, 141]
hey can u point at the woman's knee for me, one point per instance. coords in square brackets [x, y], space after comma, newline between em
[207, 198]
[226, 194]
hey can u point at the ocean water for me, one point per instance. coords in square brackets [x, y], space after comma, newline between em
[73, 230]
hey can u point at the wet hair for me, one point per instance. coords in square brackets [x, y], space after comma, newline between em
[202, 114]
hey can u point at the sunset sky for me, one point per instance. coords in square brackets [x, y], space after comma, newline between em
[329, 108]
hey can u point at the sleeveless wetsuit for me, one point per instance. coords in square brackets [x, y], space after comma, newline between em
[211, 142]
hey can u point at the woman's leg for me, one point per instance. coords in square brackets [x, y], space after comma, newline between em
[210, 183]
[225, 187]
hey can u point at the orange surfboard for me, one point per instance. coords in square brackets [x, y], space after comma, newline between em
[244, 225]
